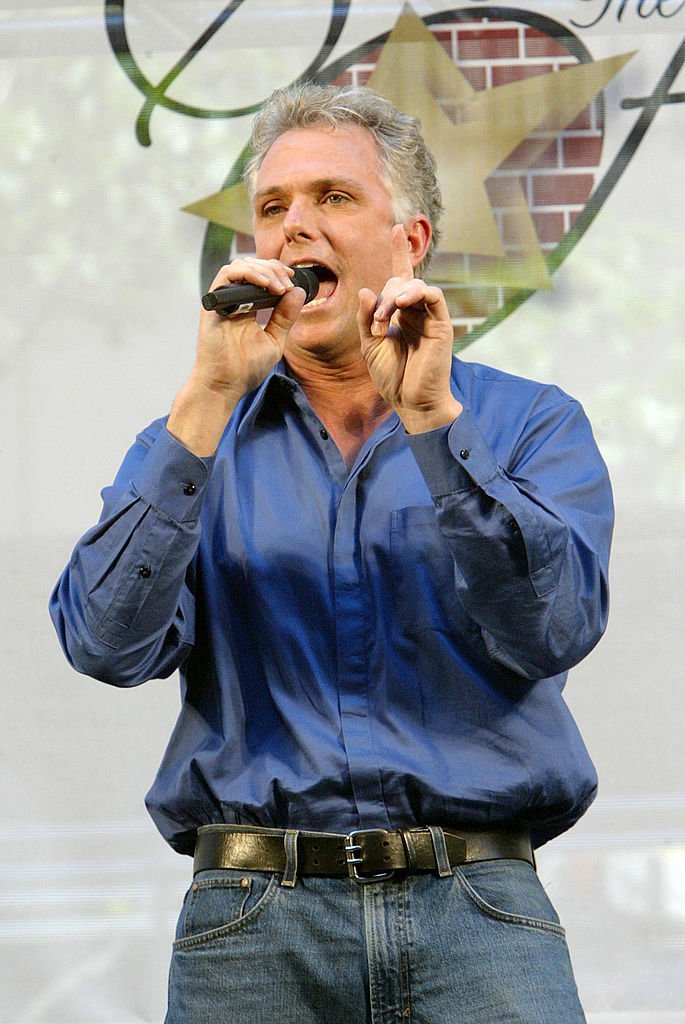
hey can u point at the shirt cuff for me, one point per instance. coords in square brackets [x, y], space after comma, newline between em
[172, 479]
[454, 458]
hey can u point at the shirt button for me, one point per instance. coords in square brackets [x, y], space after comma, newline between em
[145, 572]
[189, 490]
[464, 454]
[324, 433]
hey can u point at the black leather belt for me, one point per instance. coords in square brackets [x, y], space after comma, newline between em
[366, 855]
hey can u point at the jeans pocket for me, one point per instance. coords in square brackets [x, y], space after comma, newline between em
[219, 902]
[509, 891]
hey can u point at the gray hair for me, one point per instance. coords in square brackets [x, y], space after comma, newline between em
[408, 168]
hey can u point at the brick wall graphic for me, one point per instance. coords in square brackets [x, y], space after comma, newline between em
[535, 192]
[555, 169]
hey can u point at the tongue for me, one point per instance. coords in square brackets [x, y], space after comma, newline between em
[326, 289]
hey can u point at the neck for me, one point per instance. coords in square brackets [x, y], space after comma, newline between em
[343, 396]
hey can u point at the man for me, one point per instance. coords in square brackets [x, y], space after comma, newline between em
[373, 565]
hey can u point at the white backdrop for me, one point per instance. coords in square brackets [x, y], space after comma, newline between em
[99, 282]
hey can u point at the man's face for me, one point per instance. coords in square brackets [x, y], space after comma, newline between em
[319, 198]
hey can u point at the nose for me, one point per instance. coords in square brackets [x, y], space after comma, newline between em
[299, 222]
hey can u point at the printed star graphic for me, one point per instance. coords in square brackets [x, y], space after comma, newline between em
[417, 75]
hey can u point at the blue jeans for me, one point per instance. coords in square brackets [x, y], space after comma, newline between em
[482, 946]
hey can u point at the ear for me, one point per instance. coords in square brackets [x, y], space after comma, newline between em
[419, 234]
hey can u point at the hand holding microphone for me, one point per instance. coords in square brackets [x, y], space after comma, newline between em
[234, 358]
[241, 297]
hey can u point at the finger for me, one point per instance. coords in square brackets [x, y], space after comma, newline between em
[365, 314]
[385, 304]
[401, 253]
[284, 315]
[418, 294]
[399, 293]
[414, 298]
[271, 274]
[402, 272]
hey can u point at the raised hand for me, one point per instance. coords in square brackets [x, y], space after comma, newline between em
[406, 339]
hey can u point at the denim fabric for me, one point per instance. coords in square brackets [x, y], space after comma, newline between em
[482, 946]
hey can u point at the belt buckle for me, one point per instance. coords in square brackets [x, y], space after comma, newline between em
[354, 859]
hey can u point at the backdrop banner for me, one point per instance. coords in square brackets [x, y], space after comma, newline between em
[558, 132]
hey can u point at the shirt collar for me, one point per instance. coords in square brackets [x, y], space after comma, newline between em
[277, 384]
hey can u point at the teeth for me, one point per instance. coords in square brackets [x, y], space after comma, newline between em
[318, 268]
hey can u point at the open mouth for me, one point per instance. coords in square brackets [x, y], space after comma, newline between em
[328, 282]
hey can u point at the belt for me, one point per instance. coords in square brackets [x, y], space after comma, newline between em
[365, 855]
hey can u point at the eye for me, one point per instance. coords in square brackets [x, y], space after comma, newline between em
[272, 210]
[336, 198]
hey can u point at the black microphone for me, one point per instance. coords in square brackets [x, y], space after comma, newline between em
[243, 297]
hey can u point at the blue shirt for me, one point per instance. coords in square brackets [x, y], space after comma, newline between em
[384, 646]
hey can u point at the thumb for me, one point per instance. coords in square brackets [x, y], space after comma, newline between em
[284, 315]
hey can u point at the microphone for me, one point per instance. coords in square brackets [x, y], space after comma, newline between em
[243, 297]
